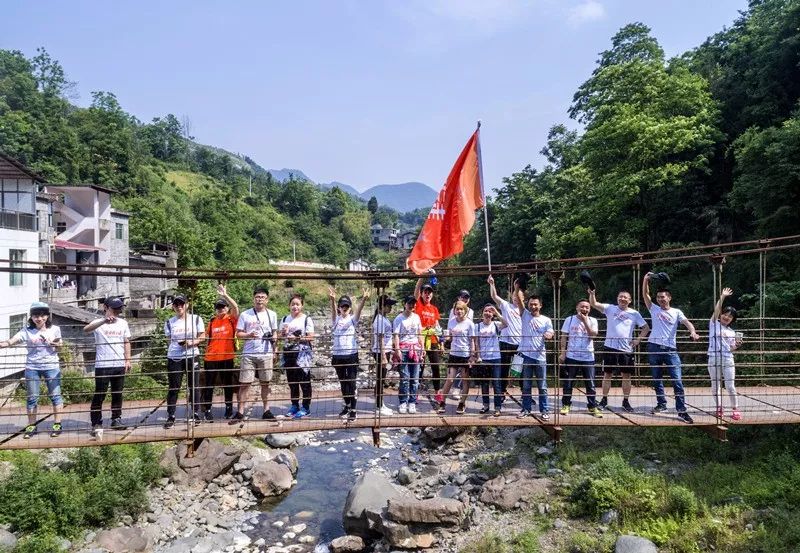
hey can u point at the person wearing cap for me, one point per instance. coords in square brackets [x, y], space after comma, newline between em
[185, 333]
[429, 317]
[258, 327]
[297, 332]
[220, 351]
[463, 296]
[344, 349]
[382, 346]
[509, 335]
[409, 349]
[112, 339]
[662, 350]
[42, 339]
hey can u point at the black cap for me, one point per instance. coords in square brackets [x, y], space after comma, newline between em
[464, 294]
[663, 277]
[426, 287]
[179, 300]
[345, 300]
[220, 303]
[410, 299]
[114, 303]
[587, 281]
[386, 300]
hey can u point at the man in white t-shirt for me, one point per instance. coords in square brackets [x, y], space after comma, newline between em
[662, 350]
[536, 330]
[619, 345]
[258, 329]
[577, 355]
[509, 335]
[112, 338]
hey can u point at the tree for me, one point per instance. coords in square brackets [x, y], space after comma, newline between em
[372, 205]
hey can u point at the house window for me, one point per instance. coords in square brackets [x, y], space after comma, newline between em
[119, 230]
[120, 278]
[16, 322]
[16, 257]
[61, 226]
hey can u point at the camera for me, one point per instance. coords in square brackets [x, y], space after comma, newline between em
[297, 333]
[522, 279]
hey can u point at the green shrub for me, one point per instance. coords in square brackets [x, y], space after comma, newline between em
[488, 543]
[526, 542]
[681, 502]
[581, 542]
[40, 542]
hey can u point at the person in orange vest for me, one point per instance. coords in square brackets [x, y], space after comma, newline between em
[220, 352]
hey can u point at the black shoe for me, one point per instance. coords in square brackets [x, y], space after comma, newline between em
[603, 403]
[484, 410]
[627, 405]
[344, 412]
[197, 419]
[658, 409]
[209, 416]
[351, 415]
[268, 416]
[170, 422]
[686, 418]
[228, 412]
[116, 424]
[236, 419]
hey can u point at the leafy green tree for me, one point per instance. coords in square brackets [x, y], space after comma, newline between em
[372, 205]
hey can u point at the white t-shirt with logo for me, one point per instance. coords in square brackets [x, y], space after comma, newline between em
[469, 316]
[344, 335]
[109, 339]
[532, 342]
[511, 333]
[407, 329]
[665, 325]
[461, 334]
[489, 339]
[264, 323]
[188, 327]
[620, 325]
[381, 325]
[302, 322]
[41, 357]
[580, 346]
[720, 339]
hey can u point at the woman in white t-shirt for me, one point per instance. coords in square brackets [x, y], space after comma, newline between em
[722, 342]
[464, 351]
[297, 332]
[344, 349]
[382, 348]
[42, 339]
[487, 372]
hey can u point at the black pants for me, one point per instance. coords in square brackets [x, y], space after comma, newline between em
[103, 378]
[219, 373]
[298, 379]
[347, 369]
[572, 368]
[175, 370]
[507, 352]
[381, 367]
[434, 356]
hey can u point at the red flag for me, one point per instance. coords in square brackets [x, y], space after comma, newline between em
[453, 212]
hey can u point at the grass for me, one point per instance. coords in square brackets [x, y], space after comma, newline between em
[526, 541]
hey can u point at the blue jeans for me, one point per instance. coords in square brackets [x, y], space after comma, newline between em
[659, 357]
[52, 378]
[586, 368]
[409, 380]
[534, 368]
[487, 375]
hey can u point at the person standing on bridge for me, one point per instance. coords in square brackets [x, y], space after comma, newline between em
[662, 350]
[258, 327]
[43, 339]
[536, 328]
[344, 350]
[220, 351]
[509, 335]
[409, 347]
[486, 373]
[185, 332]
[577, 354]
[464, 352]
[112, 338]
[431, 331]
[382, 346]
[463, 296]
[722, 342]
[618, 348]
[297, 331]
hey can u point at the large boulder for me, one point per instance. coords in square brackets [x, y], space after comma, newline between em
[8, 541]
[366, 501]
[270, 478]
[441, 433]
[209, 460]
[124, 540]
[281, 440]
[634, 544]
[283, 456]
[347, 544]
[438, 510]
[517, 485]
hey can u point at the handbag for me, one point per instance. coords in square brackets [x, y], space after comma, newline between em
[516, 366]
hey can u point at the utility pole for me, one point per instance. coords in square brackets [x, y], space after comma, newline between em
[251, 185]
[294, 250]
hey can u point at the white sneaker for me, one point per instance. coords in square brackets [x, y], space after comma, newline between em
[403, 408]
[412, 408]
[385, 411]
[456, 395]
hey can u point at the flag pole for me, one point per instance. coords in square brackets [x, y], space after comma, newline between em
[485, 203]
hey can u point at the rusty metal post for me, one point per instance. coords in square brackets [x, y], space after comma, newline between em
[556, 278]
[380, 289]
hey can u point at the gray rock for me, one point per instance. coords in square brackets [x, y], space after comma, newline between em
[559, 524]
[365, 502]
[347, 544]
[429, 470]
[270, 478]
[288, 458]
[441, 433]
[280, 440]
[634, 544]
[449, 492]
[431, 511]
[405, 476]
[609, 517]
[398, 535]
[517, 485]
[461, 479]
[209, 460]
[8, 541]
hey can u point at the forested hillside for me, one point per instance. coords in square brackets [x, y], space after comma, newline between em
[176, 190]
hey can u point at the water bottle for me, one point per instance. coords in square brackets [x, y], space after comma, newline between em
[432, 280]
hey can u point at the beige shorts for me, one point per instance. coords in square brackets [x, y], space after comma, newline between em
[256, 363]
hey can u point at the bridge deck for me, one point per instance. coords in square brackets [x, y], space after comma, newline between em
[758, 405]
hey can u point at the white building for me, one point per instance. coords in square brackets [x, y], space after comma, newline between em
[383, 237]
[406, 240]
[19, 243]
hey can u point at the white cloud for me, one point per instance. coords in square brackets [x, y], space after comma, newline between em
[590, 10]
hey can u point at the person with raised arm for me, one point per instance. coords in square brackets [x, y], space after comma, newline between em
[577, 354]
[258, 328]
[619, 345]
[509, 335]
[220, 352]
[344, 350]
[297, 332]
[112, 338]
[409, 349]
[487, 372]
[464, 352]
[185, 333]
[662, 349]
[42, 339]
[536, 329]
[722, 342]
[431, 331]
[382, 347]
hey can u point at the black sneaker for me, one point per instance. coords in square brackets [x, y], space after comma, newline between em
[344, 412]
[170, 422]
[30, 430]
[116, 424]
[209, 416]
[461, 408]
[484, 410]
[441, 407]
[268, 416]
[351, 415]
[236, 419]
[196, 419]
[603, 403]
[228, 412]
[56, 431]
[627, 405]
[658, 409]
[686, 418]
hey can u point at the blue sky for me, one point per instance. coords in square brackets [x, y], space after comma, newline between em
[359, 91]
